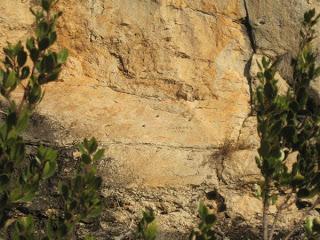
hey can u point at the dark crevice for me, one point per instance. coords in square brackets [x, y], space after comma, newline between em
[250, 33]
[123, 65]
[248, 76]
[216, 196]
[247, 23]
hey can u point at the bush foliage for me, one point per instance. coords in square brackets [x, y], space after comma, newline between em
[27, 67]
[289, 124]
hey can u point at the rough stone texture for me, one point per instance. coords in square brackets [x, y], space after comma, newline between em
[164, 86]
[154, 81]
[277, 23]
[276, 27]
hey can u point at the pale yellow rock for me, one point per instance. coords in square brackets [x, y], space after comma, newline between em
[244, 205]
[240, 167]
[164, 75]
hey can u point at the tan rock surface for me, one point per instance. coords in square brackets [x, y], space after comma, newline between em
[161, 80]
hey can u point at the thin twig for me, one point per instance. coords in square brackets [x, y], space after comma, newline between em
[265, 218]
[280, 209]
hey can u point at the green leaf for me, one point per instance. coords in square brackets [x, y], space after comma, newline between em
[148, 215]
[11, 80]
[78, 182]
[92, 145]
[290, 133]
[98, 155]
[269, 75]
[22, 57]
[203, 211]
[25, 72]
[276, 128]
[50, 154]
[30, 44]
[264, 149]
[22, 197]
[302, 96]
[15, 195]
[51, 76]
[46, 4]
[44, 43]
[17, 152]
[265, 62]
[24, 229]
[151, 231]
[274, 199]
[23, 121]
[62, 56]
[34, 54]
[269, 91]
[52, 37]
[86, 158]
[308, 226]
[35, 94]
[2, 74]
[49, 169]
[94, 212]
[42, 29]
[48, 63]
[27, 223]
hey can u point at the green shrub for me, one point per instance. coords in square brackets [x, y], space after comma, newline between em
[29, 66]
[205, 229]
[147, 228]
[286, 124]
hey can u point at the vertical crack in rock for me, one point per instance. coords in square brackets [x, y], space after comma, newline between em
[250, 33]
[248, 76]
[242, 125]
[247, 23]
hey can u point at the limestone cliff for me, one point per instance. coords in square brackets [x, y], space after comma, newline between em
[165, 86]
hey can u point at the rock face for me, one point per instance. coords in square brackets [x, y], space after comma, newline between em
[159, 83]
[164, 86]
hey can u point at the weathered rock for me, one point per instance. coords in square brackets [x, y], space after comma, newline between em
[157, 79]
[276, 24]
[164, 86]
[276, 31]
[240, 167]
[248, 137]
